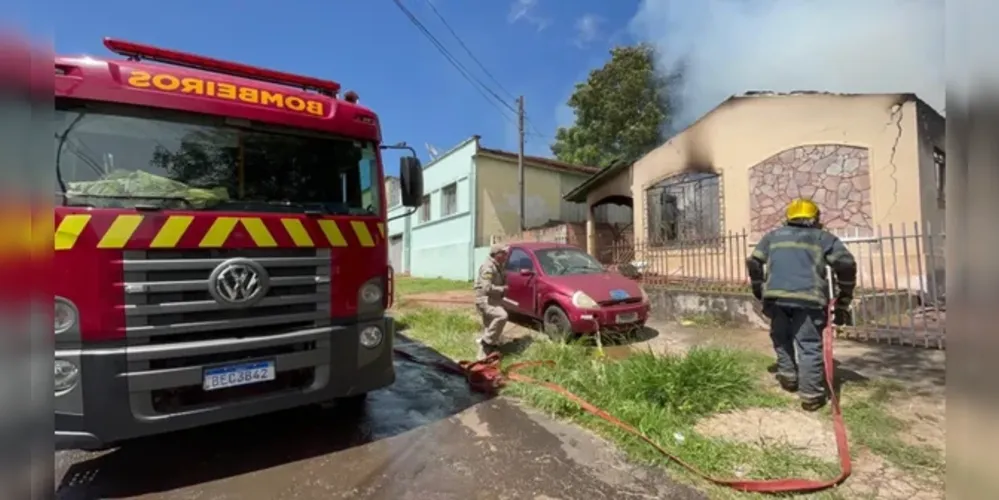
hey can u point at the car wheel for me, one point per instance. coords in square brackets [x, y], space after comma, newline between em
[556, 324]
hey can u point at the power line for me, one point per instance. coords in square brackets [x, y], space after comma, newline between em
[468, 51]
[480, 87]
[477, 61]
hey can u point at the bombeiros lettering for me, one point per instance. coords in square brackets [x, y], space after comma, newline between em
[167, 82]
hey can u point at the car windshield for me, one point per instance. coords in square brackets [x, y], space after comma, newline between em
[128, 157]
[567, 261]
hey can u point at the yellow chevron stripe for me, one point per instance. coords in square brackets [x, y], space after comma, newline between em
[297, 232]
[362, 232]
[381, 229]
[219, 232]
[258, 232]
[332, 232]
[120, 232]
[172, 231]
[69, 230]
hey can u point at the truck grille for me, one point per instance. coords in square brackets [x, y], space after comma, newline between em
[167, 295]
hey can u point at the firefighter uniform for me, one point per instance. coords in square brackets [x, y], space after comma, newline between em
[788, 273]
[490, 285]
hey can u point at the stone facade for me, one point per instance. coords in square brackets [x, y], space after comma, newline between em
[836, 177]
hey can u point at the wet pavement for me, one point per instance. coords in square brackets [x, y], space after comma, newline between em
[425, 437]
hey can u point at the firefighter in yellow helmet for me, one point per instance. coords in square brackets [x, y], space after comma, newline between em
[788, 274]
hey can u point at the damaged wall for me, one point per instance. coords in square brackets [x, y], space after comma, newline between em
[746, 131]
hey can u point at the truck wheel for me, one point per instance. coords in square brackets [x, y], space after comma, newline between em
[556, 324]
[353, 403]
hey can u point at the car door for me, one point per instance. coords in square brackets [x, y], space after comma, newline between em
[520, 285]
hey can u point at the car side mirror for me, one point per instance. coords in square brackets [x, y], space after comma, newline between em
[526, 272]
[411, 181]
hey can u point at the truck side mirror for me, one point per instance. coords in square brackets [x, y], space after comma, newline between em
[411, 181]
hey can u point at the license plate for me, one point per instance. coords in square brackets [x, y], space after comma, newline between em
[627, 318]
[236, 375]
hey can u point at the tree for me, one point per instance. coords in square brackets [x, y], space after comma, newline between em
[622, 110]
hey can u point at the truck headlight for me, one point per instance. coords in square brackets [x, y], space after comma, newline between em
[66, 375]
[371, 293]
[583, 301]
[65, 315]
[371, 336]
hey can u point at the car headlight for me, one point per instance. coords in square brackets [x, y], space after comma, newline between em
[583, 301]
[66, 375]
[371, 293]
[65, 315]
[371, 336]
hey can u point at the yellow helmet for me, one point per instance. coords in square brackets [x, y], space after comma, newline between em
[802, 208]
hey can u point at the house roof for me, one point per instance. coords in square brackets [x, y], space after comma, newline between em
[541, 162]
[578, 195]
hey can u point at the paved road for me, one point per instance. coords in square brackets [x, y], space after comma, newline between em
[425, 437]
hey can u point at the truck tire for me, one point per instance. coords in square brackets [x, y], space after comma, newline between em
[357, 402]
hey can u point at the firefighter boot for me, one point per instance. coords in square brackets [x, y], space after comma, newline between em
[813, 403]
[787, 382]
[485, 350]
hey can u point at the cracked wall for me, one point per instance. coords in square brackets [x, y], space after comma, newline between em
[837, 177]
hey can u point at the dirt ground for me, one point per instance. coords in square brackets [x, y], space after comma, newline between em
[919, 372]
[920, 405]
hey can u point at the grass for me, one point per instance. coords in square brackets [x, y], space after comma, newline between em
[449, 333]
[405, 285]
[665, 396]
[866, 410]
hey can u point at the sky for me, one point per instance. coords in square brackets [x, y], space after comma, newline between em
[535, 48]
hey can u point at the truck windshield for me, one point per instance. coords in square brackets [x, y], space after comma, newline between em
[127, 157]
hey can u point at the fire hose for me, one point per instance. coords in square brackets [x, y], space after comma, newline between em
[489, 377]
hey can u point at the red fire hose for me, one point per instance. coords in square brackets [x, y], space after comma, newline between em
[487, 376]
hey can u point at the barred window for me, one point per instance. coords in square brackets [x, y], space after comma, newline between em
[683, 207]
[940, 169]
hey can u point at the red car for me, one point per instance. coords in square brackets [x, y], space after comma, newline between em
[570, 291]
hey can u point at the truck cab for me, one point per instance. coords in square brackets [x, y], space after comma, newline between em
[220, 246]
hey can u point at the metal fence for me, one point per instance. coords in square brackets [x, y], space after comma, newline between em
[900, 296]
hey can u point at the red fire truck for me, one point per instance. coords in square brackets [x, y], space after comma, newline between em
[220, 244]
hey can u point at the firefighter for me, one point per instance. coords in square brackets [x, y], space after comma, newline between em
[490, 285]
[788, 274]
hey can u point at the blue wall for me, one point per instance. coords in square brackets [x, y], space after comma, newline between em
[442, 246]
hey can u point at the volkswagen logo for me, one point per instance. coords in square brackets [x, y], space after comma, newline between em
[238, 282]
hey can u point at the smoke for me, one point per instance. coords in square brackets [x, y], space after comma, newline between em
[852, 46]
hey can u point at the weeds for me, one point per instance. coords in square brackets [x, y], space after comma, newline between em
[665, 396]
[866, 412]
[450, 333]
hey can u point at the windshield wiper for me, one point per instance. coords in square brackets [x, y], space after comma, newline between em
[138, 206]
[307, 208]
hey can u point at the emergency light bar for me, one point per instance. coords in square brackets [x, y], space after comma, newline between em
[140, 51]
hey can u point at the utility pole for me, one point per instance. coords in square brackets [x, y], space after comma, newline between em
[520, 160]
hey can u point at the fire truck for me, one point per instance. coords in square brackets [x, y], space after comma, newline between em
[220, 244]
